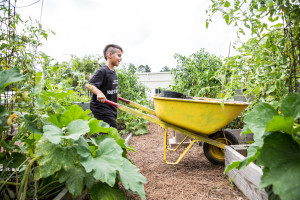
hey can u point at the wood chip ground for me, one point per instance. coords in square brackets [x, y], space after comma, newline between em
[194, 178]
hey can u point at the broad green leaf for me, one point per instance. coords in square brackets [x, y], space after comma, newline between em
[10, 76]
[245, 130]
[89, 180]
[280, 157]
[53, 157]
[290, 106]
[72, 113]
[56, 120]
[280, 123]
[104, 124]
[105, 163]
[120, 141]
[83, 148]
[258, 119]
[53, 133]
[141, 131]
[11, 160]
[77, 128]
[132, 179]
[3, 111]
[97, 126]
[102, 191]
[74, 179]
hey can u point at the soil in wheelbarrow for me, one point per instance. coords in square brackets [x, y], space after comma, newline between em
[193, 178]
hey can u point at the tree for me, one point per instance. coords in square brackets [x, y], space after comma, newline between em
[165, 69]
[144, 68]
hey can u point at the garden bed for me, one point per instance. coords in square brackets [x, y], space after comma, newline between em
[193, 178]
[247, 179]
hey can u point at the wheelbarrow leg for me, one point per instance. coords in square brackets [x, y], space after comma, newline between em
[166, 148]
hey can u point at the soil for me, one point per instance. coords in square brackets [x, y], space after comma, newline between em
[193, 178]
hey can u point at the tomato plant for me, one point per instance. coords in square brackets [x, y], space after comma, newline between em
[130, 89]
[195, 74]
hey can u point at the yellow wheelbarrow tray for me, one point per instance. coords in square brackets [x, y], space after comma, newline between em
[197, 118]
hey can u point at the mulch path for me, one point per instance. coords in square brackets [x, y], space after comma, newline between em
[193, 178]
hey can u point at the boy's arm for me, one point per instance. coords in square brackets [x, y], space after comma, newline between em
[100, 96]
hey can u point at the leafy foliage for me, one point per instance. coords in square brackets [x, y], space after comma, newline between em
[130, 89]
[65, 151]
[165, 69]
[268, 63]
[276, 147]
[37, 98]
[195, 75]
[143, 68]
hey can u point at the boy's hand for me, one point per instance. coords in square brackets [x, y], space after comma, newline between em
[101, 97]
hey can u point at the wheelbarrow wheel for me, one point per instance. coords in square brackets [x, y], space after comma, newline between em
[215, 154]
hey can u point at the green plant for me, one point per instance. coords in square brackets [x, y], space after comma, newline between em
[68, 150]
[130, 89]
[40, 91]
[268, 63]
[276, 147]
[194, 75]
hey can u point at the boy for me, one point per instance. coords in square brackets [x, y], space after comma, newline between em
[104, 85]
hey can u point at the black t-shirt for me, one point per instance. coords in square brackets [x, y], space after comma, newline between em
[106, 81]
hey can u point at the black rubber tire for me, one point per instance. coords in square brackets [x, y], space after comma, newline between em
[210, 149]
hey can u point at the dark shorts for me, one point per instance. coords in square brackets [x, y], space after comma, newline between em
[110, 119]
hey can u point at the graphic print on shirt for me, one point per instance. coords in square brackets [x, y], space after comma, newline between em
[115, 91]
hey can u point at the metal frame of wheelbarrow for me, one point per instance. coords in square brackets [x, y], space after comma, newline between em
[195, 136]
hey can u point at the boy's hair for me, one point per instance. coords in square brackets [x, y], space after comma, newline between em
[111, 48]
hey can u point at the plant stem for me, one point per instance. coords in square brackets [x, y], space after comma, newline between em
[13, 174]
[25, 179]
[10, 183]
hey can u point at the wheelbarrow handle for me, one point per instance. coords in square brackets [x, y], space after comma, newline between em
[125, 100]
[111, 103]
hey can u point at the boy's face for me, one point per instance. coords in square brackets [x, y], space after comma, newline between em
[115, 58]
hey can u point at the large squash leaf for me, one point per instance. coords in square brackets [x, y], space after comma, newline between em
[132, 179]
[10, 76]
[102, 191]
[74, 179]
[97, 126]
[291, 106]
[53, 133]
[53, 157]
[257, 120]
[119, 140]
[280, 157]
[107, 160]
[280, 123]
[77, 128]
[72, 113]
[55, 120]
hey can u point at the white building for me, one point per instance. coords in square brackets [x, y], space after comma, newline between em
[155, 80]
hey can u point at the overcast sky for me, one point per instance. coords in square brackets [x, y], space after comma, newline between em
[150, 32]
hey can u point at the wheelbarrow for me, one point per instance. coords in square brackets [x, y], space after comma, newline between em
[201, 119]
